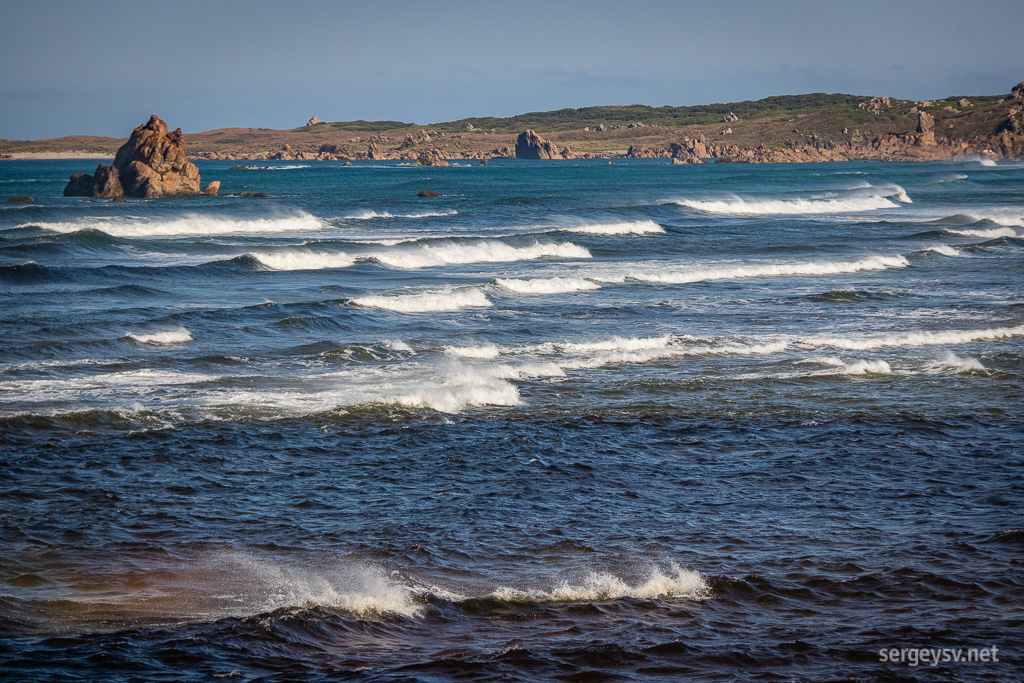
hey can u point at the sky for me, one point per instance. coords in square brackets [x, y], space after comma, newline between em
[101, 68]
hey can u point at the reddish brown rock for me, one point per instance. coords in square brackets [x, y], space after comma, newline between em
[212, 189]
[151, 164]
[23, 199]
[431, 158]
[568, 154]
[529, 145]
[106, 182]
[373, 151]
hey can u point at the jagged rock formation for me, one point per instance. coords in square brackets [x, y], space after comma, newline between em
[529, 145]
[313, 121]
[1017, 92]
[432, 158]
[212, 189]
[568, 153]
[373, 151]
[151, 164]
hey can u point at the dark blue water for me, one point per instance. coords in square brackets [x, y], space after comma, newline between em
[573, 422]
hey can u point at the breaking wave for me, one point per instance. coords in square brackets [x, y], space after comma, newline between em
[677, 582]
[644, 227]
[870, 263]
[425, 302]
[369, 214]
[915, 338]
[551, 285]
[190, 224]
[485, 251]
[303, 260]
[178, 336]
[740, 206]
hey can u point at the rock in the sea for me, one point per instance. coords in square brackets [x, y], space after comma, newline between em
[428, 193]
[529, 145]
[106, 182]
[212, 189]
[431, 158]
[151, 164]
[313, 121]
[23, 199]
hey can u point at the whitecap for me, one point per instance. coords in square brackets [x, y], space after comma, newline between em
[922, 338]
[178, 336]
[871, 263]
[551, 285]
[189, 224]
[484, 251]
[303, 260]
[643, 227]
[426, 302]
[676, 582]
[740, 206]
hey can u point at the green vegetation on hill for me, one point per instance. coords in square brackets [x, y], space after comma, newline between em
[371, 126]
[770, 107]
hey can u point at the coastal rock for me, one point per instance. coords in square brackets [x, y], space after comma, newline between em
[1018, 91]
[567, 153]
[428, 193]
[373, 151]
[212, 189]
[106, 182]
[151, 164]
[286, 154]
[79, 185]
[23, 199]
[431, 158]
[313, 121]
[730, 118]
[637, 152]
[529, 145]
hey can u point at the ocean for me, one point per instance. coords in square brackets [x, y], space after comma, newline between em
[568, 421]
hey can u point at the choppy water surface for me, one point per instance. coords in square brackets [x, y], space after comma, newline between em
[567, 422]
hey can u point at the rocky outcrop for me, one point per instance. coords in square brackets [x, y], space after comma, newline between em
[373, 151]
[212, 189]
[286, 154]
[1017, 92]
[637, 152]
[431, 158]
[151, 164]
[529, 145]
[313, 121]
[568, 153]
[876, 105]
[23, 199]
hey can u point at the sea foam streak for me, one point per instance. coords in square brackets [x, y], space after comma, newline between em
[644, 227]
[303, 260]
[370, 214]
[425, 302]
[178, 336]
[191, 224]
[740, 206]
[550, 285]
[915, 338]
[870, 263]
[678, 582]
[485, 251]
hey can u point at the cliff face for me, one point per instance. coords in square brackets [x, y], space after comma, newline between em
[151, 164]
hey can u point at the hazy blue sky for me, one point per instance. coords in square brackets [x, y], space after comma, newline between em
[102, 67]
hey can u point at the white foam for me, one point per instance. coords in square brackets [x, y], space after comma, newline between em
[425, 302]
[915, 338]
[943, 249]
[178, 336]
[677, 582]
[987, 162]
[189, 224]
[871, 263]
[550, 285]
[484, 251]
[485, 351]
[399, 345]
[740, 206]
[992, 233]
[952, 361]
[865, 367]
[644, 227]
[369, 214]
[303, 260]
